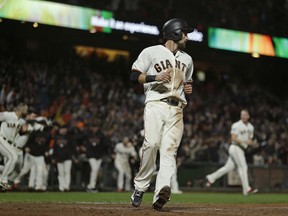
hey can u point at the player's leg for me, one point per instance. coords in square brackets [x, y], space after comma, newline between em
[172, 135]
[128, 177]
[153, 132]
[67, 173]
[32, 177]
[120, 176]
[61, 176]
[27, 164]
[11, 158]
[174, 184]
[17, 168]
[229, 166]
[40, 166]
[95, 165]
[46, 176]
[242, 168]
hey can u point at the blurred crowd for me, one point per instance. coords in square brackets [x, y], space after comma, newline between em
[93, 109]
[266, 17]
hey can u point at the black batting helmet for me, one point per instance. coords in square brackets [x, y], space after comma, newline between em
[173, 29]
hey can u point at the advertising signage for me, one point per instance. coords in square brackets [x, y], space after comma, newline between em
[247, 42]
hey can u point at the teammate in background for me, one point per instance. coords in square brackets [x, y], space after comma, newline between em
[34, 160]
[124, 153]
[242, 133]
[20, 141]
[11, 125]
[166, 72]
[95, 147]
[64, 152]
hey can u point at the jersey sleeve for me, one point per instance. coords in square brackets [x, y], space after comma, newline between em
[133, 152]
[251, 134]
[188, 74]
[234, 129]
[142, 62]
[4, 116]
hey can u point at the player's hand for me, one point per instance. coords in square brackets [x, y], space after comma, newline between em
[188, 87]
[164, 76]
[250, 142]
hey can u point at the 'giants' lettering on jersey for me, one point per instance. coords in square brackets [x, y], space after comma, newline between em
[11, 125]
[243, 132]
[163, 65]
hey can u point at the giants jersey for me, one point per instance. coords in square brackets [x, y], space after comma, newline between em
[10, 125]
[156, 59]
[123, 153]
[21, 140]
[243, 131]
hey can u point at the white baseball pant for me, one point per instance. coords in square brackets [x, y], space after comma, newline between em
[163, 131]
[7, 151]
[64, 175]
[124, 172]
[95, 165]
[236, 159]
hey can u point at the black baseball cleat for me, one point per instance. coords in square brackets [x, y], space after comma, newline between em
[136, 198]
[162, 198]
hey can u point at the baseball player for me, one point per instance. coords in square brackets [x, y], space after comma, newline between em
[165, 71]
[11, 125]
[21, 139]
[95, 147]
[123, 152]
[242, 133]
[34, 160]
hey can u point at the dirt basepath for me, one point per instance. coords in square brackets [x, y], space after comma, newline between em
[95, 209]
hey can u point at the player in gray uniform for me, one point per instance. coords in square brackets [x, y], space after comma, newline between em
[166, 72]
[242, 133]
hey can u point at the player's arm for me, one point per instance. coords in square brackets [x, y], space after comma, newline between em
[236, 140]
[138, 77]
[188, 87]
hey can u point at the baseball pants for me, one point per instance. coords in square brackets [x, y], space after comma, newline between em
[9, 153]
[64, 175]
[236, 159]
[124, 175]
[95, 165]
[163, 125]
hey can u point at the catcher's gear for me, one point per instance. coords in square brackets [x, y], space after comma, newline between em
[174, 28]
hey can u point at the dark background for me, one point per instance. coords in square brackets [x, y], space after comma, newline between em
[50, 43]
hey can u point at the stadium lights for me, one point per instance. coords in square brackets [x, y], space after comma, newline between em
[255, 55]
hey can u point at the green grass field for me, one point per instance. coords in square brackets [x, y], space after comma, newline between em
[112, 197]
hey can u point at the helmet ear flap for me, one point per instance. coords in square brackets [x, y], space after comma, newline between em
[177, 34]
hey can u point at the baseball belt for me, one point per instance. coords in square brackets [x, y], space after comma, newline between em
[172, 102]
[241, 147]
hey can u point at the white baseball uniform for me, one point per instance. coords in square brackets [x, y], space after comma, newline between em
[121, 162]
[163, 122]
[237, 158]
[10, 127]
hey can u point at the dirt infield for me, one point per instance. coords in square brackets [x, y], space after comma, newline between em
[95, 209]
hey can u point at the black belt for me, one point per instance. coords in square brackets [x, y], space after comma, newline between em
[241, 147]
[172, 102]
